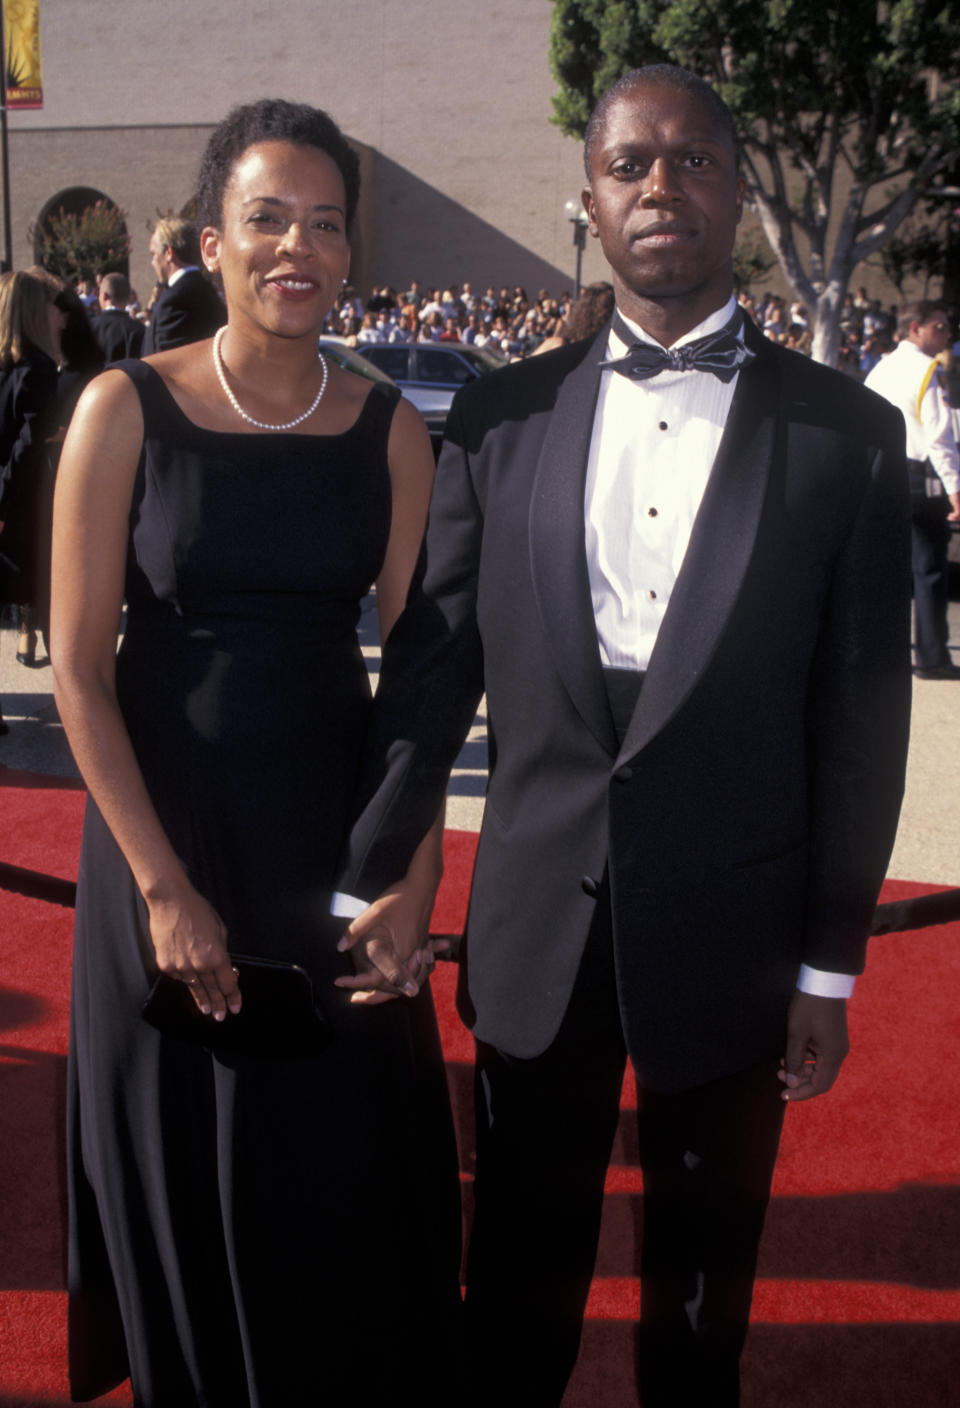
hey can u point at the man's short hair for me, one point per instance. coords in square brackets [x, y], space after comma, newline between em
[666, 75]
[115, 288]
[920, 311]
[181, 237]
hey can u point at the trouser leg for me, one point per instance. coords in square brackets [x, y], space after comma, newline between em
[545, 1128]
[930, 540]
[707, 1156]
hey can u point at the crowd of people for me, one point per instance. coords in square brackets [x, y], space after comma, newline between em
[507, 320]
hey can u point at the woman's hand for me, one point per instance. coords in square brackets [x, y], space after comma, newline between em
[190, 942]
[391, 949]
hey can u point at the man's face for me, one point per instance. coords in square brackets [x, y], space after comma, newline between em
[665, 200]
[933, 335]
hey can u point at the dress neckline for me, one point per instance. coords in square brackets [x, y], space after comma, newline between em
[157, 380]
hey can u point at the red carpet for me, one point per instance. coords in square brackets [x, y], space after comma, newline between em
[858, 1297]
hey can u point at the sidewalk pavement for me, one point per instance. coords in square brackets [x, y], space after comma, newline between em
[928, 842]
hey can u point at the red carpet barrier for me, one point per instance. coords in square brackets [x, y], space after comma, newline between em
[858, 1296]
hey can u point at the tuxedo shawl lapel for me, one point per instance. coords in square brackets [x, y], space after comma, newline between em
[557, 552]
[718, 554]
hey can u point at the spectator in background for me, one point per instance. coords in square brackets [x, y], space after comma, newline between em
[473, 327]
[119, 335]
[413, 294]
[910, 379]
[188, 307]
[87, 293]
[430, 306]
[382, 300]
[874, 347]
[431, 327]
[81, 358]
[403, 329]
[369, 331]
[592, 309]
[32, 319]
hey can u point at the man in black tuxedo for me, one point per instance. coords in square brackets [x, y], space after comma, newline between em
[682, 580]
[118, 334]
[188, 308]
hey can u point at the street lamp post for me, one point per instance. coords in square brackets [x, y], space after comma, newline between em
[6, 258]
[577, 216]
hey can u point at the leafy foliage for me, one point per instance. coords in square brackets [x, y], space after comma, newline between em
[923, 246]
[752, 257]
[848, 112]
[83, 244]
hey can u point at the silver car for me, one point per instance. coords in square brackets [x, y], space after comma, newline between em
[429, 374]
[338, 351]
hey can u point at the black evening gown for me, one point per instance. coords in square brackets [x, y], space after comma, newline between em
[251, 1233]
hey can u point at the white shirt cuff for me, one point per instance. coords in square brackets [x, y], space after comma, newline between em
[347, 906]
[820, 984]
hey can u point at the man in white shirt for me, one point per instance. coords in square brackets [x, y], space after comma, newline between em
[909, 378]
[675, 557]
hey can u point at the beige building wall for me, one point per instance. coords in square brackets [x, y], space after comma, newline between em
[449, 102]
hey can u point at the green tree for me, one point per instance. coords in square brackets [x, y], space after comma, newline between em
[849, 114]
[923, 246]
[752, 257]
[82, 244]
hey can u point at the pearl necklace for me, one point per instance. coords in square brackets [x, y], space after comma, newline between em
[261, 425]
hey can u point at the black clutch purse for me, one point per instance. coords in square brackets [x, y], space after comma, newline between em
[279, 1018]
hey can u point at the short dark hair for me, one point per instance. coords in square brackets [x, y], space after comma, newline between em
[116, 287]
[921, 311]
[670, 76]
[270, 120]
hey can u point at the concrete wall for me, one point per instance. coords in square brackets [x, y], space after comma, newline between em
[448, 101]
[467, 178]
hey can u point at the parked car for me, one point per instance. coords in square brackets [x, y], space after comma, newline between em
[430, 373]
[338, 351]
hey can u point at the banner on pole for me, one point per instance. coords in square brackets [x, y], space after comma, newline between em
[22, 64]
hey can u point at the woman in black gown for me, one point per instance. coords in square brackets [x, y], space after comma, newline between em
[31, 322]
[246, 1231]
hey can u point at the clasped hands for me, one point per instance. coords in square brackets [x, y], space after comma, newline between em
[390, 946]
[391, 952]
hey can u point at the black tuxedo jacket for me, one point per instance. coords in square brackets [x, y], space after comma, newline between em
[746, 821]
[188, 311]
[118, 335]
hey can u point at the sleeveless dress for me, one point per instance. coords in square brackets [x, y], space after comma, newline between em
[251, 1233]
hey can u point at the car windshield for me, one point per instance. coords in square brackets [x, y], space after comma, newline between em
[392, 360]
[345, 357]
[442, 367]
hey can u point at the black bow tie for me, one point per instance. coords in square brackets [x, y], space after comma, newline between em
[721, 353]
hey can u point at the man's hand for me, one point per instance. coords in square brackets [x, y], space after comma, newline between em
[817, 1044]
[954, 515]
[391, 948]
